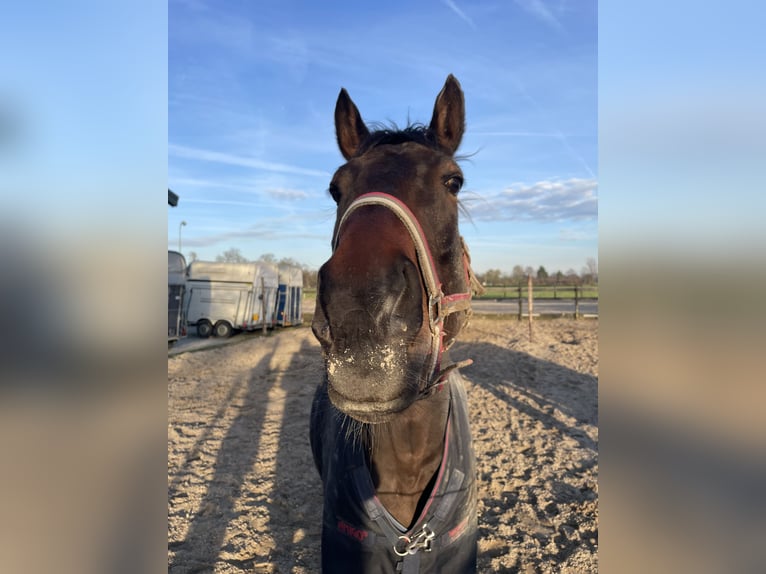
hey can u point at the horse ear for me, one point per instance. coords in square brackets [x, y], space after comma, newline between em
[448, 121]
[349, 127]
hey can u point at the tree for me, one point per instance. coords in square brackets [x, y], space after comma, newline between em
[529, 271]
[542, 275]
[492, 277]
[558, 278]
[592, 268]
[232, 255]
[192, 256]
[517, 274]
[572, 278]
[288, 261]
[309, 278]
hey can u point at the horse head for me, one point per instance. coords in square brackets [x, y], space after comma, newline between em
[399, 266]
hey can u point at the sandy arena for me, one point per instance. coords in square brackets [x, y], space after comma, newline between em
[243, 494]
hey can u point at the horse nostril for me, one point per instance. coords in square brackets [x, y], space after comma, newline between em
[322, 332]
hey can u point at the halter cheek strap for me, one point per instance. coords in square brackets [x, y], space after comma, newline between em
[439, 304]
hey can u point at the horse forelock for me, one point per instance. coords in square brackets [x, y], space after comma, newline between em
[393, 135]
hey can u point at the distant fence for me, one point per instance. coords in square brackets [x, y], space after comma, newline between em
[520, 294]
[529, 296]
[526, 296]
[541, 291]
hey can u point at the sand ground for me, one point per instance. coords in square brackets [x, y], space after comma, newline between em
[243, 494]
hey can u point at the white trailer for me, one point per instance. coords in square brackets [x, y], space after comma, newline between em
[290, 299]
[227, 296]
[176, 294]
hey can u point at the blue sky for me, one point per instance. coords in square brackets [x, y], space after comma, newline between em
[251, 143]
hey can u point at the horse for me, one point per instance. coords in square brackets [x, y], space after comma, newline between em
[389, 425]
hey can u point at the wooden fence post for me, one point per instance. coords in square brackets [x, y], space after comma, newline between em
[577, 303]
[519, 289]
[530, 304]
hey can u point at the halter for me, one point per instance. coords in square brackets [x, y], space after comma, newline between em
[439, 304]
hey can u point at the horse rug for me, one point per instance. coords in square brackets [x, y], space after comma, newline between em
[358, 533]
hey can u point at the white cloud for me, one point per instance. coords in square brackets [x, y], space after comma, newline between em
[544, 201]
[288, 194]
[273, 229]
[575, 235]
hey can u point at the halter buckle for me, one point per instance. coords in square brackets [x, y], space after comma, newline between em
[435, 309]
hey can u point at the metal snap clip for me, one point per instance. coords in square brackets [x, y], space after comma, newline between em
[422, 540]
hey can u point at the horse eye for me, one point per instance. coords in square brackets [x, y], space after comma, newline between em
[334, 192]
[454, 183]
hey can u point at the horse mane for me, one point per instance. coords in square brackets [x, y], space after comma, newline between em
[393, 135]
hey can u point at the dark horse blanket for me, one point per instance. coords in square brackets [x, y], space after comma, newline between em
[359, 535]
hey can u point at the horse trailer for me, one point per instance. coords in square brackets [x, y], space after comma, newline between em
[228, 296]
[176, 294]
[289, 302]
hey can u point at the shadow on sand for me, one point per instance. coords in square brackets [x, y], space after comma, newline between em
[236, 493]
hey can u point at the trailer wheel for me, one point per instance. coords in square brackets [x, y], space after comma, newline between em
[222, 329]
[204, 329]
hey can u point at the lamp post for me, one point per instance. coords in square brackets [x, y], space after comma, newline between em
[179, 235]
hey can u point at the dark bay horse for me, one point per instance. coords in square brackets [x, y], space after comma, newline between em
[389, 422]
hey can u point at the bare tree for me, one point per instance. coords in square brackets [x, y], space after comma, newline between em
[592, 266]
[572, 278]
[309, 278]
[231, 255]
[529, 271]
[518, 273]
[492, 277]
[192, 256]
[290, 261]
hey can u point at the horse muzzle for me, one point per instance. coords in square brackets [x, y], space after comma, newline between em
[376, 355]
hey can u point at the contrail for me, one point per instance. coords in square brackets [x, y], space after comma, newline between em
[557, 132]
[540, 11]
[456, 9]
[229, 159]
